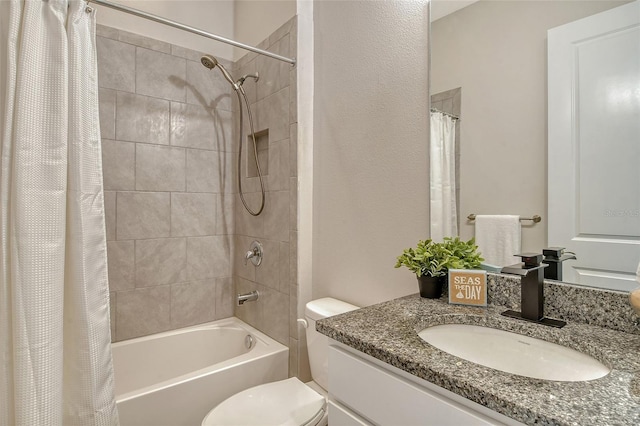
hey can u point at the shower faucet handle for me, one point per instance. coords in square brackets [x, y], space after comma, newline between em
[254, 254]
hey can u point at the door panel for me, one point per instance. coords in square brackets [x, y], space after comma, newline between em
[594, 146]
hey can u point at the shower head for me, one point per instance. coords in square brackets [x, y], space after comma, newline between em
[211, 62]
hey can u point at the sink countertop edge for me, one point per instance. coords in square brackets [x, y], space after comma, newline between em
[388, 332]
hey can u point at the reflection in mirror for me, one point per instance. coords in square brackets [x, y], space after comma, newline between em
[496, 53]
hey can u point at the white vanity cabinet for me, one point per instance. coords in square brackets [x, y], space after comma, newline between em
[366, 391]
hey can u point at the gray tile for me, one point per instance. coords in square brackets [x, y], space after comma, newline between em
[268, 273]
[240, 268]
[273, 113]
[276, 216]
[250, 312]
[293, 357]
[161, 261]
[106, 32]
[193, 303]
[275, 307]
[186, 53]
[282, 31]
[107, 107]
[224, 297]
[274, 75]
[118, 165]
[143, 311]
[208, 88]
[283, 268]
[194, 126]
[279, 170]
[293, 150]
[116, 65]
[293, 39]
[110, 214]
[208, 257]
[248, 57]
[293, 204]
[193, 214]
[160, 75]
[225, 215]
[142, 41]
[250, 85]
[142, 119]
[121, 265]
[142, 215]
[210, 171]
[160, 168]
[293, 312]
[293, 95]
[246, 224]
[293, 258]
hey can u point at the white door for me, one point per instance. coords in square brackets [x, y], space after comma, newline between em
[594, 146]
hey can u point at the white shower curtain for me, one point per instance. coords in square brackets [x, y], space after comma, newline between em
[56, 366]
[444, 219]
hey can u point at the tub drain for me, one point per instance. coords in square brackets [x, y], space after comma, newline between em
[248, 341]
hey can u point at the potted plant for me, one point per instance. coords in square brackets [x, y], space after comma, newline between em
[431, 261]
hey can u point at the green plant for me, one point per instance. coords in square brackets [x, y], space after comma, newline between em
[433, 259]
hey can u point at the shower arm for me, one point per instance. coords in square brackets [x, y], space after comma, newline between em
[161, 20]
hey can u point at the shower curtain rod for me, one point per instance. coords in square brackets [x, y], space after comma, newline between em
[455, 117]
[190, 29]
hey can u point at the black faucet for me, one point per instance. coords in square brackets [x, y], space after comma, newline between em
[532, 295]
[554, 256]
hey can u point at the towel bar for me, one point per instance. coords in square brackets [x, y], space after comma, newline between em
[535, 218]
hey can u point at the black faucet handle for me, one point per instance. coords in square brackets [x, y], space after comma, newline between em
[530, 260]
[553, 252]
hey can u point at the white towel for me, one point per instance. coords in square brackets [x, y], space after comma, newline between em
[498, 238]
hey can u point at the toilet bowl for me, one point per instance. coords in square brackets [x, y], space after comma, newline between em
[290, 401]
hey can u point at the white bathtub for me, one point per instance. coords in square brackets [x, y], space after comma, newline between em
[175, 378]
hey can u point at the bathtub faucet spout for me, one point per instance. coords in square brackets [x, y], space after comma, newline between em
[247, 297]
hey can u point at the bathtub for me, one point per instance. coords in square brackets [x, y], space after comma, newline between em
[175, 378]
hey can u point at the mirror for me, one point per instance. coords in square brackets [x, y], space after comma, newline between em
[495, 54]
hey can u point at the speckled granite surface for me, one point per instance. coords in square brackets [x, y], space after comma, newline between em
[604, 308]
[388, 332]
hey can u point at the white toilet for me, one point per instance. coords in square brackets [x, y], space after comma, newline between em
[287, 402]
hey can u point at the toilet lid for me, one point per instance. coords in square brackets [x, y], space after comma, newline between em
[287, 402]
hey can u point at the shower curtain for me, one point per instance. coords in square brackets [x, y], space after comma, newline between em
[444, 218]
[55, 366]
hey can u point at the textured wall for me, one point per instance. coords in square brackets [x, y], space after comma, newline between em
[370, 142]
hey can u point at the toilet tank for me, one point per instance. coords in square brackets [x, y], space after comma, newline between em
[318, 344]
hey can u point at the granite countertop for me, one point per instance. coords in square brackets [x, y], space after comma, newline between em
[388, 332]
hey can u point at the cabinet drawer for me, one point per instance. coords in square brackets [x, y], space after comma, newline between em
[387, 399]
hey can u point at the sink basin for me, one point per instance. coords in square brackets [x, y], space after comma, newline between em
[514, 353]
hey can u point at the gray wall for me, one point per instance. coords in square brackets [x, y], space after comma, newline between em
[371, 133]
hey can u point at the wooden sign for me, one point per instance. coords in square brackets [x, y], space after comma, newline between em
[468, 287]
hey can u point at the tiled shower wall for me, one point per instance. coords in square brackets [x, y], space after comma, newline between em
[274, 107]
[177, 231]
[168, 163]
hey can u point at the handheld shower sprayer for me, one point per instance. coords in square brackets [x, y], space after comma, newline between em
[211, 62]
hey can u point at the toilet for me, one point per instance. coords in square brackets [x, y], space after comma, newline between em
[290, 401]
